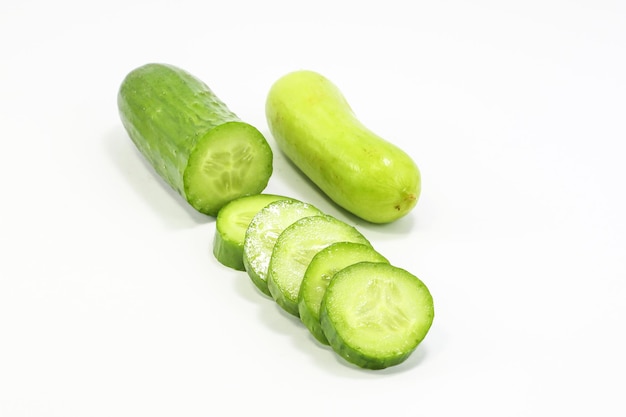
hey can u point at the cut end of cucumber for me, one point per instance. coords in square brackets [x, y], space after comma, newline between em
[375, 315]
[231, 161]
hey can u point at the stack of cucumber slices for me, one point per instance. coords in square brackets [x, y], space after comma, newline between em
[324, 271]
[315, 266]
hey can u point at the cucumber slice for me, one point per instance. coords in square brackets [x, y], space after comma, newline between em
[231, 224]
[262, 232]
[374, 315]
[318, 275]
[294, 249]
[230, 161]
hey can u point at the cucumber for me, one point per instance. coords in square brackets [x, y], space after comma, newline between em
[262, 232]
[314, 126]
[318, 275]
[294, 249]
[374, 315]
[231, 224]
[191, 138]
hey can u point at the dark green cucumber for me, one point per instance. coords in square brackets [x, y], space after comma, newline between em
[318, 275]
[231, 224]
[294, 249]
[191, 138]
[374, 315]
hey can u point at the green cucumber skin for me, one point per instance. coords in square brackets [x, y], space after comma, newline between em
[228, 249]
[228, 253]
[314, 126]
[166, 111]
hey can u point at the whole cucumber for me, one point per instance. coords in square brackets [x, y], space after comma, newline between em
[315, 127]
[191, 138]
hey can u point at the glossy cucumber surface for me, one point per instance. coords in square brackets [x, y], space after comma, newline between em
[315, 127]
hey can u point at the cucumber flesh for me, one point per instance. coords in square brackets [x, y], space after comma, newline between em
[230, 161]
[262, 233]
[374, 315]
[318, 275]
[231, 224]
[294, 249]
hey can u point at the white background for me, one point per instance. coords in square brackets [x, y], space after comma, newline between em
[111, 303]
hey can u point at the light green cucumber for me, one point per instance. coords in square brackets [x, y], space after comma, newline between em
[262, 233]
[315, 127]
[294, 249]
[374, 315]
[320, 272]
[191, 138]
[231, 224]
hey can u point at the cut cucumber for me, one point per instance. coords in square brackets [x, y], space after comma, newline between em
[231, 224]
[191, 138]
[294, 249]
[318, 275]
[374, 315]
[230, 161]
[262, 232]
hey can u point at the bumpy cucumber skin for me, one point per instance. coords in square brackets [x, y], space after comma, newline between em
[166, 111]
[227, 247]
[329, 261]
[359, 355]
[313, 124]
